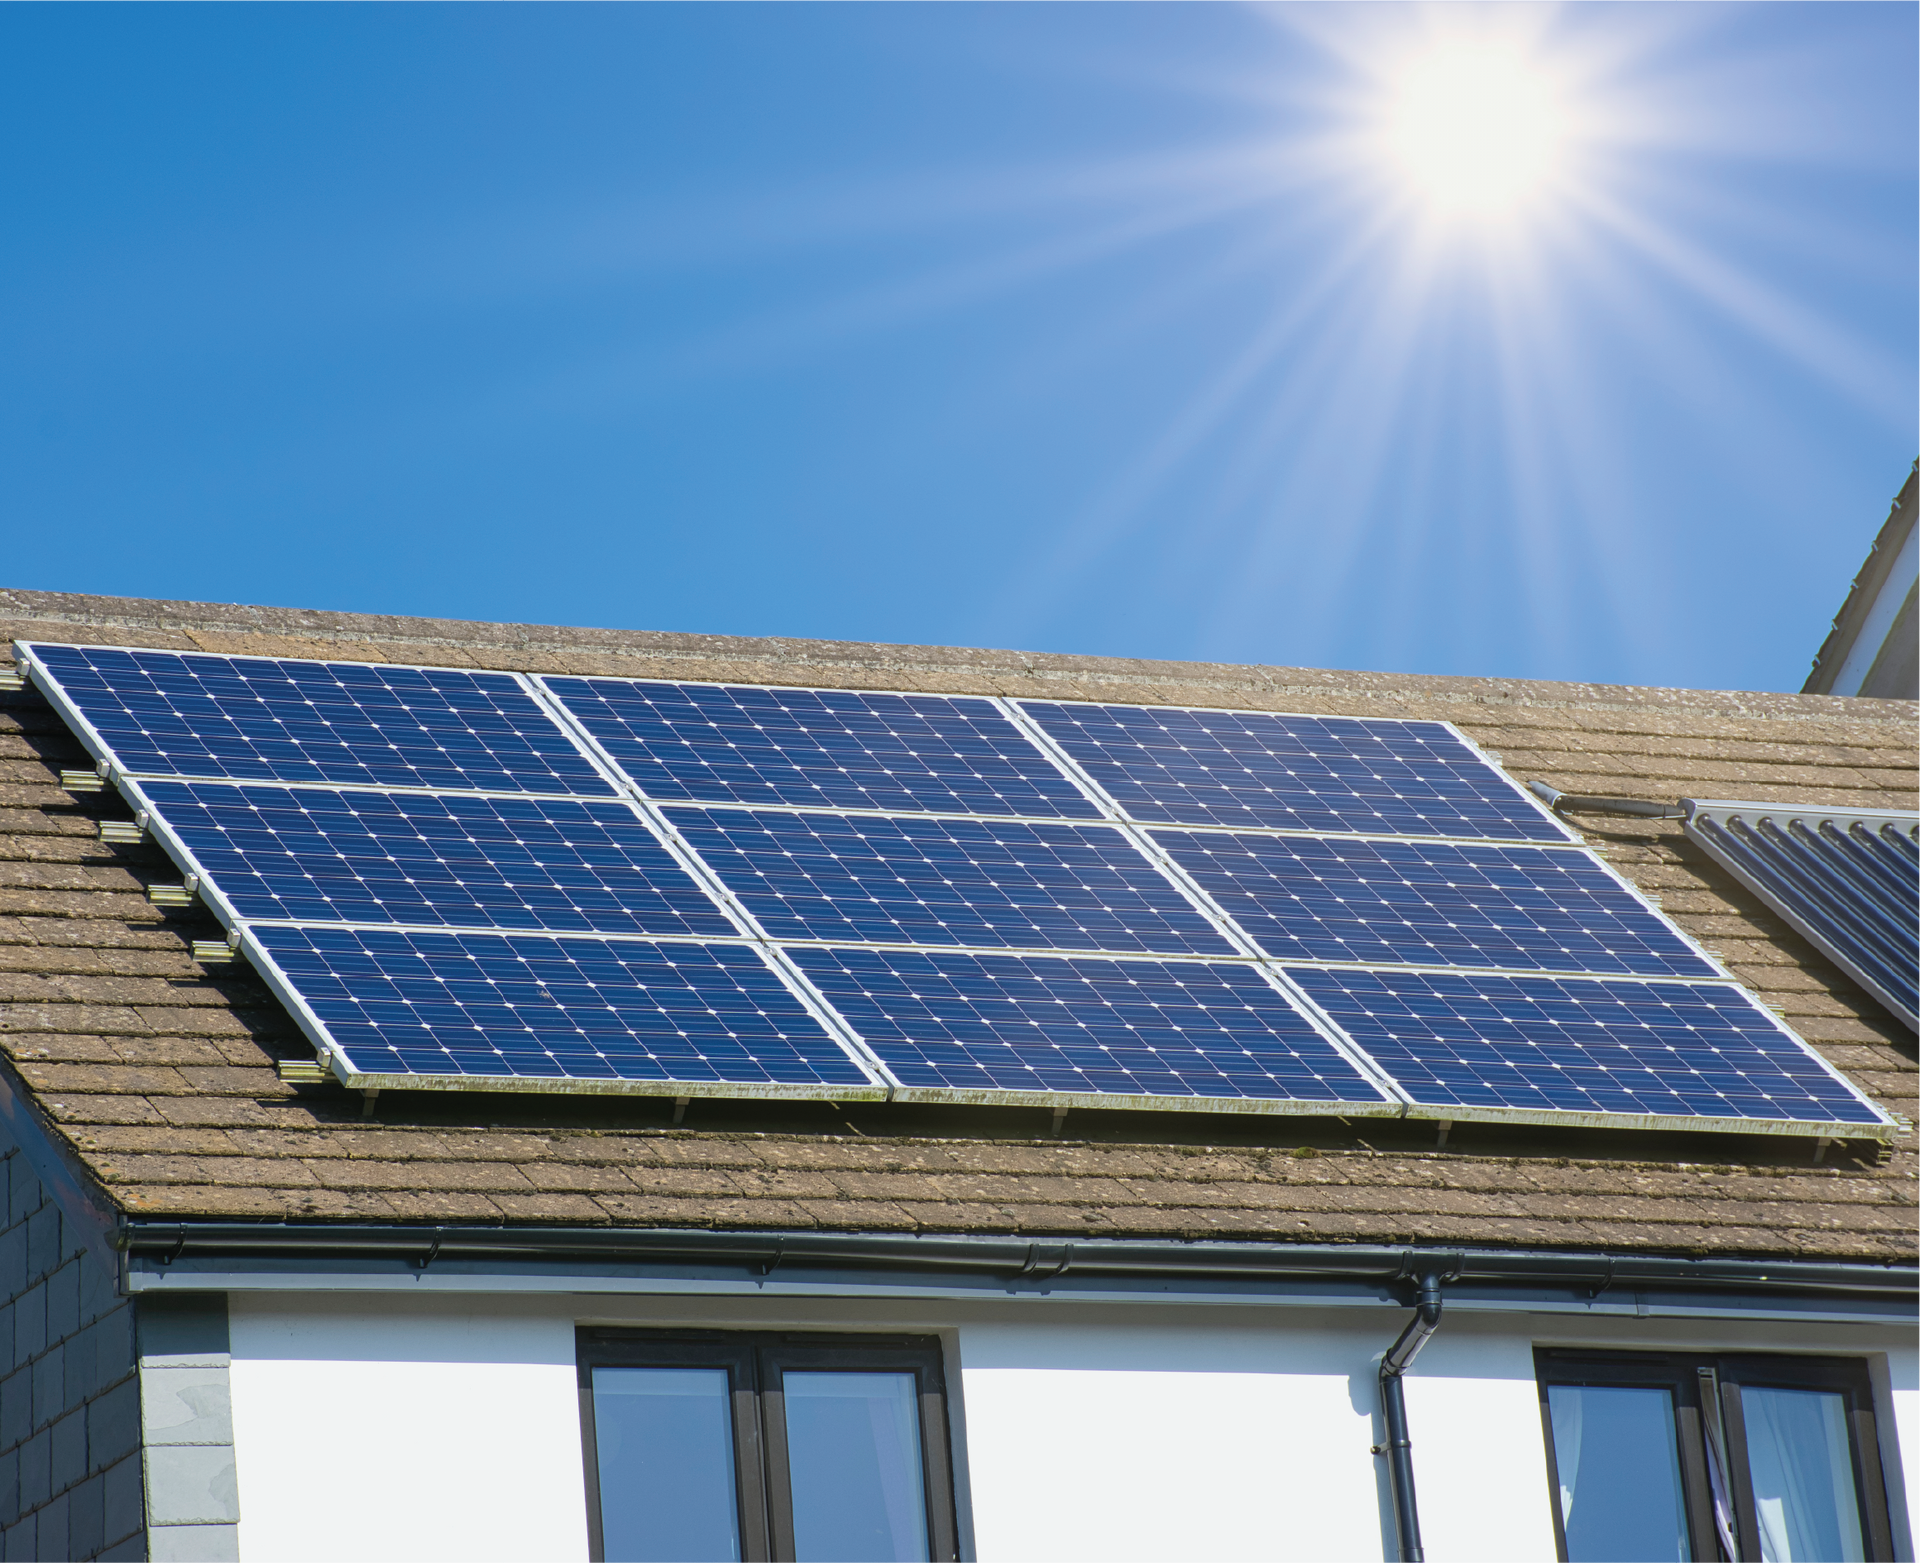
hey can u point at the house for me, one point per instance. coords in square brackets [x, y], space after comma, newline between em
[1874, 647]
[252, 1312]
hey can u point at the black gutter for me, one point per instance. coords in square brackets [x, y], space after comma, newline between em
[1009, 1258]
[1393, 1412]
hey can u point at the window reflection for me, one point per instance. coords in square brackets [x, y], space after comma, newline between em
[665, 1441]
[853, 1446]
[1803, 1495]
[1619, 1467]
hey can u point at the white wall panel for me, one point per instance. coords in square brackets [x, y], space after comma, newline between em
[1479, 1455]
[381, 1429]
[447, 1426]
[1172, 1443]
[1206, 1439]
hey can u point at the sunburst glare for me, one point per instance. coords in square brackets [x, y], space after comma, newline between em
[1474, 128]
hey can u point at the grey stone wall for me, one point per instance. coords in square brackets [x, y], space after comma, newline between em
[70, 1461]
[193, 1493]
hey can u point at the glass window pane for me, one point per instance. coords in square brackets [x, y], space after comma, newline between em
[853, 1447]
[665, 1441]
[1797, 1451]
[1619, 1464]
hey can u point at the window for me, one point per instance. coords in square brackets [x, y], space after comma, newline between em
[719, 1446]
[1750, 1459]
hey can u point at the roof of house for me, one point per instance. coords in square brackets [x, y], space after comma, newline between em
[158, 1074]
[1879, 609]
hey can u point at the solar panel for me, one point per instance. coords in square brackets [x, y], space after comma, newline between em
[821, 748]
[165, 713]
[839, 894]
[1252, 769]
[1081, 1026]
[313, 854]
[1431, 903]
[841, 878]
[1847, 879]
[495, 1007]
[1555, 1046]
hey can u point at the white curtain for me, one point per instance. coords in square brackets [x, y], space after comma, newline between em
[1802, 1469]
[1566, 1409]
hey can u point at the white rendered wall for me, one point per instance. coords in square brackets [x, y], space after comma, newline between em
[382, 1428]
[447, 1426]
[1210, 1441]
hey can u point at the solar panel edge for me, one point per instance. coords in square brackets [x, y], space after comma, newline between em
[161, 829]
[1263, 1106]
[545, 683]
[338, 1057]
[1884, 1125]
[1561, 832]
[49, 683]
[1183, 922]
[1533, 802]
[373, 788]
[1386, 1099]
[1712, 968]
[256, 656]
[39, 677]
[1833, 1130]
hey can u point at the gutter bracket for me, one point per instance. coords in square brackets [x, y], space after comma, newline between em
[1605, 1281]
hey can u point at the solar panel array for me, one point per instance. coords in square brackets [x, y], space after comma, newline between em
[490, 880]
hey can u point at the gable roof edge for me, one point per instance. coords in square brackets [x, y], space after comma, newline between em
[84, 1205]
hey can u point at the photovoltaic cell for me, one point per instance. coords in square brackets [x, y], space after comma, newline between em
[1432, 903]
[1166, 765]
[1683, 1050]
[166, 713]
[856, 879]
[1081, 1024]
[707, 743]
[493, 1005]
[310, 854]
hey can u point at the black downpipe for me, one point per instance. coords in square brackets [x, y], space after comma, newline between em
[1393, 1408]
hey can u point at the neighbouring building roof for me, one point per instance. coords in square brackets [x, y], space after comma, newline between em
[158, 1076]
[1874, 646]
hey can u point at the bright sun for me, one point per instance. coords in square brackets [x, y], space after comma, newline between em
[1474, 128]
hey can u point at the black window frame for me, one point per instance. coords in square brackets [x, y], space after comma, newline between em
[756, 1363]
[1728, 1373]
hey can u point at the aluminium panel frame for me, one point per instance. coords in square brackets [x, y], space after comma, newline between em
[38, 676]
[1566, 835]
[337, 1060]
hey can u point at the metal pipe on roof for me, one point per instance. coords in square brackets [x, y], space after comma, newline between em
[1587, 803]
[1398, 1447]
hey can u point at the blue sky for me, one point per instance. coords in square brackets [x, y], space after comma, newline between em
[1065, 327]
